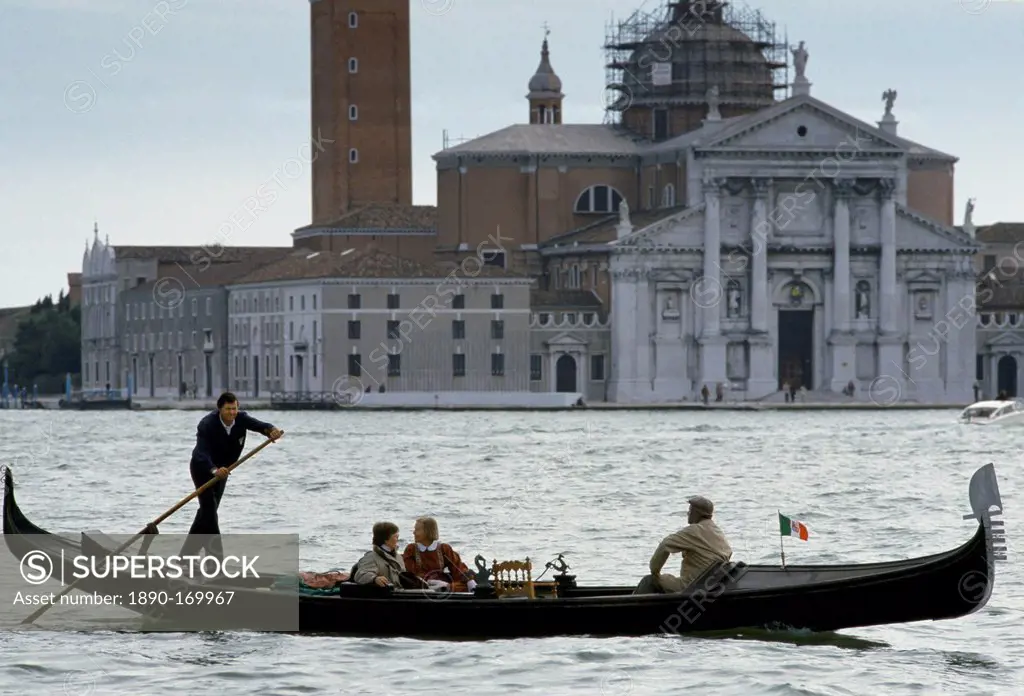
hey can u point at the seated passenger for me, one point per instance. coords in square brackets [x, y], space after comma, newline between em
[701, 544]
[382, 564]
[434, 561]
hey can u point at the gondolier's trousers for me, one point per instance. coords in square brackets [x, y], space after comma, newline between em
[206, 521]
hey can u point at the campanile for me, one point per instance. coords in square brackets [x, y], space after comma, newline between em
[361, 99]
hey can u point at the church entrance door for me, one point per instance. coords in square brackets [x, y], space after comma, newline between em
[565, 374]
[796, 348]
[1007, 380]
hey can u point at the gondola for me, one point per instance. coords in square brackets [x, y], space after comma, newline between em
[730, 596]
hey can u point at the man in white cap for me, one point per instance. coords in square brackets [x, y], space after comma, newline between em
[701, 543]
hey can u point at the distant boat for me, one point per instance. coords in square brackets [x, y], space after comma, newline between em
[994, 412]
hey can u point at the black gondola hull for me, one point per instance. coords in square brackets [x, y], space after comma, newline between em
[817, 598]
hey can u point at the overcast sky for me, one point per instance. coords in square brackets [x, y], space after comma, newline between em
[212, 100]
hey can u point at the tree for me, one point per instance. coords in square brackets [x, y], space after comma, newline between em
[47, 344]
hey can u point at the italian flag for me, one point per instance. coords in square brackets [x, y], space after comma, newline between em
[791, 527]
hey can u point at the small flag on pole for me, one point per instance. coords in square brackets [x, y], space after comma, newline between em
[791, 527]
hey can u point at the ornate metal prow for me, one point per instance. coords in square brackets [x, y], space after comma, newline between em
[558, 564]
[984, 494]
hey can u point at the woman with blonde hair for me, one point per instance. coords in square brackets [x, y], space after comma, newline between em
[434, 561]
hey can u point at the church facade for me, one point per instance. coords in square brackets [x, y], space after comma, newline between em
[735, 241]
[797, 261]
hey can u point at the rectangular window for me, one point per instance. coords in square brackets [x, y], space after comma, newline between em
[354, 332]
[597, 368]
[660, 124]
[497, 364]
[392, 329]
[497, 329]
[354, 365]
[458, 329]
[459, 301]
[393, 301]
[354, 301]
[394, 364]
[536, 367]
[458, 365]
[497, 301]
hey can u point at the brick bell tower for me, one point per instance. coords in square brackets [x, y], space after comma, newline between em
[361, 99]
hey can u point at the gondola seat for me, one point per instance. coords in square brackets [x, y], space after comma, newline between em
[513, 579]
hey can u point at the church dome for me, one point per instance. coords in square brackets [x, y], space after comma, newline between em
[545, 80]
[676, 58]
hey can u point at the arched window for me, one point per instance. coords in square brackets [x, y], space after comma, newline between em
[598, 199]
[668, 196]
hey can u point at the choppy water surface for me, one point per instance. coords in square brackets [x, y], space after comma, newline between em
[603, 487]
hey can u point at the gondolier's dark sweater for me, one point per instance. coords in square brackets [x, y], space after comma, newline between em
[216, 446]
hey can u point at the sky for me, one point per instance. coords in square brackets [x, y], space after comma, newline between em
[156, 119]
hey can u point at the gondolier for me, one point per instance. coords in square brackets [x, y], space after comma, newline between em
[220, 438]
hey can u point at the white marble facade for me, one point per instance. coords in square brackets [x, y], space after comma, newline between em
[797, 259]
[101, 364]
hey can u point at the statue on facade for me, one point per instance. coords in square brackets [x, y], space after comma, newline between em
[968, 218]
[863, 306]
[712, 96]
[670, 311]
[624, 212]
[800, 56]
[733, 300]
[889, 97]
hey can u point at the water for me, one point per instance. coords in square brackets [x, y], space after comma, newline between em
[602, 486]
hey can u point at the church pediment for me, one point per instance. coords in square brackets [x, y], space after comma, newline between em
[684, 229]
[922, 278]
[565, 340]
[804, 123]
[914, 232]
[1006, 339]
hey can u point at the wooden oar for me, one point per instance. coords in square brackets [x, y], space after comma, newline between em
[212, 482]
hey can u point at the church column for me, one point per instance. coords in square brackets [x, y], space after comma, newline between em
[890, 343]
[842, 190]
[623, 374]
[761, 381]
[887, 270]
[642, 336]
[759, 249]
[711, 283]
[710, 292]
[844, 349]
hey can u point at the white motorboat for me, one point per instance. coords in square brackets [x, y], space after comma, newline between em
[993, 413]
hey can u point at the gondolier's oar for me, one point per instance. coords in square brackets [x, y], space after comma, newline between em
[212, 482]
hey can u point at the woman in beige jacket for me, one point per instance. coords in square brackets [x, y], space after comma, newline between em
[382, 564]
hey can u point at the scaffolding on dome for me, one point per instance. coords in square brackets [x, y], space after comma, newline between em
[718, 38]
